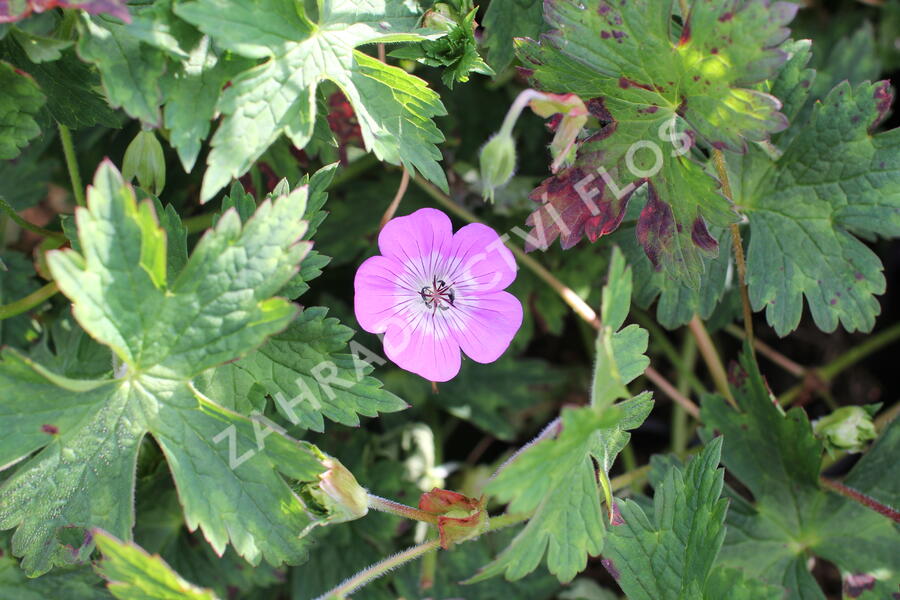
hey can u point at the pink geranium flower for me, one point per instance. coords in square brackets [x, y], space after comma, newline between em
[433, 293]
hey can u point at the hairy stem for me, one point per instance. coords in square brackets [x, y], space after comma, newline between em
[30, 301]
[65, 136]
[679, 418]
[18, 220]
[711, 358]
[401, 510]
[379, 569]
[857, 496]
[719, 161]
[518, 105]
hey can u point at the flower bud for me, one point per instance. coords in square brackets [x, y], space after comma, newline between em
[848, 428]
[338, 493]
[440, 17]
[144, 159]
[460, 518]
[498, 160]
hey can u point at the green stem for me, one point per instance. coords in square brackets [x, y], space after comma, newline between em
[30, 301]
[3, 220]
[401, 510]
[629, 461]
[846, 360]
[65, 137]
[9, 210]
[429, 568]
[680, 417]
[198, 222]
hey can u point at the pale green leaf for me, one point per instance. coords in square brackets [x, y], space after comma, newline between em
[135, 575]
[129, 69]
[278, 96]
[86, 434]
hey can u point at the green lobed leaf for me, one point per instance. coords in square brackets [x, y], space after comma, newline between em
[190, 92]
[676, 302]
[20, 101]
[777, 457]
[70, 86]
[86, 433]
[555, 478]
[133, 574]
[67, 350]
[160, 530]
[130, 70]
[79, 583]
[309, 373]
[23, 180]
[619, 354]
[834, 182]
[670, 553]
[278, 96]
[314, 215]
[40, 48]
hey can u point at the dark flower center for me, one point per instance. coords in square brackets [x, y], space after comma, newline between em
[438, 295]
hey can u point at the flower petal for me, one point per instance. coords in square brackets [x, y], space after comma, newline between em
[378, 295]
[479, 261]
[417, 237]
[484, 326]
[423, 344]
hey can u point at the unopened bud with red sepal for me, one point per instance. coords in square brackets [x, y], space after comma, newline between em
[460, 517]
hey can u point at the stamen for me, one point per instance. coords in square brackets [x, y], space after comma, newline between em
[439, 295]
